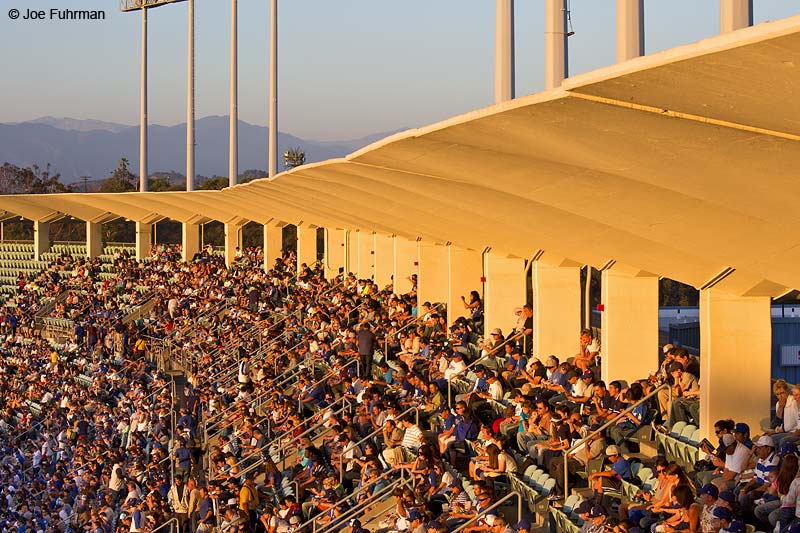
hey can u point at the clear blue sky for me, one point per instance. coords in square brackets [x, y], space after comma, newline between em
[347, 67]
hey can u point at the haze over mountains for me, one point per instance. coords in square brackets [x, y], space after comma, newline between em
[76, 148]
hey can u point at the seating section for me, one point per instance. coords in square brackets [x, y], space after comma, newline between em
[680, 445]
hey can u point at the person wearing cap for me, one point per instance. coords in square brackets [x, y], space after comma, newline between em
[595, 520]
[455, 367]
[768, 460]
[612, 479]
[523, 526]
[741, 432]
[735, 526]
[515, 365]
[735, 460]
[723, 516]
[708, 494]
[479, 386]
[416, 522]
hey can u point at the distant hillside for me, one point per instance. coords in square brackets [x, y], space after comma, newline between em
[76, 148]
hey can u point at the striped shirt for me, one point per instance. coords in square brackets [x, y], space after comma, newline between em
[412, 438]
[764, 466]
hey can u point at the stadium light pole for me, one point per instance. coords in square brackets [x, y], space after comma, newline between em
[735, 15]
[504, 51]
[190, 102]
[273, 89]
[143, 108]
[630, 29]
[233, 163]
[555, 43]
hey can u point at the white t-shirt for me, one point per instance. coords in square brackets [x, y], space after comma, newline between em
[737, 461]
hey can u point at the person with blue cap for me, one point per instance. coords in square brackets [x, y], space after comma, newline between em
[523, 526]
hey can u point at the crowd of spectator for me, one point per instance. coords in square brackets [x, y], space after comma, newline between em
[344, 392]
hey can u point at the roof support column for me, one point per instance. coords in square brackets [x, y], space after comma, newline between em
[735, 15]
[273, 245]
[306, 246]
[144, 239]
[335, 248]
[630, 29]
[555, 43]
[736, 348]
[465, 274]
[432, 279]
[556, 308]
[232, 241]
[406, 260]
[504, 290]
[384, 260]
[504, 51]
[190, 240]
[94, 239]
[41, 239]
[629, 324]
[365, 255]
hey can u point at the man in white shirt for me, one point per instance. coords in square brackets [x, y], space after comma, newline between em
[456, 366]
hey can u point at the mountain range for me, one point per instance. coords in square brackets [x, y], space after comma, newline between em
[76, 147]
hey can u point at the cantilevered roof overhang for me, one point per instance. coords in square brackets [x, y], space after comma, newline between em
[682, 164]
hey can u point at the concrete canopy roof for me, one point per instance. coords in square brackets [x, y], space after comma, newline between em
[681, 164]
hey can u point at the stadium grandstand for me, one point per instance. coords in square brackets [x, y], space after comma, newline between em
[433, 367]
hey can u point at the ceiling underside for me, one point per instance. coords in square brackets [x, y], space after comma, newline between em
[681, 164]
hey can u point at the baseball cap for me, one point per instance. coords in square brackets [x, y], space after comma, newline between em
[294, 520]
[741, 427]
[523, 524]
[479, 368]
[497, 331]
[551, 361]
[765, 440]
[598, 511]
[710, 489]
[587, 374]
[413, 514]
[727, 496]
[787, 448]
[355, 522]
[723, 513]
[584, 507]
[667, 348]
[612, 450]
[728, 439]
[736, 526]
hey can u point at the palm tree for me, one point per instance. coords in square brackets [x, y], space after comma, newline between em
[294, 157]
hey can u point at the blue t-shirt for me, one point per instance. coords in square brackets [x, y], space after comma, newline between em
[623, 468]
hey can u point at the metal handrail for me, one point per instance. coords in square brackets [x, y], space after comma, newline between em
[375, 432]
[608, 423]
[475, 362]
[413, 322]
[495, 505]
[354, 511]
[168, 522]
[331, 372]
[283, 447]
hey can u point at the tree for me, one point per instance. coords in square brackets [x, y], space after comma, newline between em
[214, 184]
[30, 180]
[294, 157]
[121, 180]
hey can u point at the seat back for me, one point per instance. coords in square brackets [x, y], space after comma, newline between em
[677, 428]
[687, 432]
